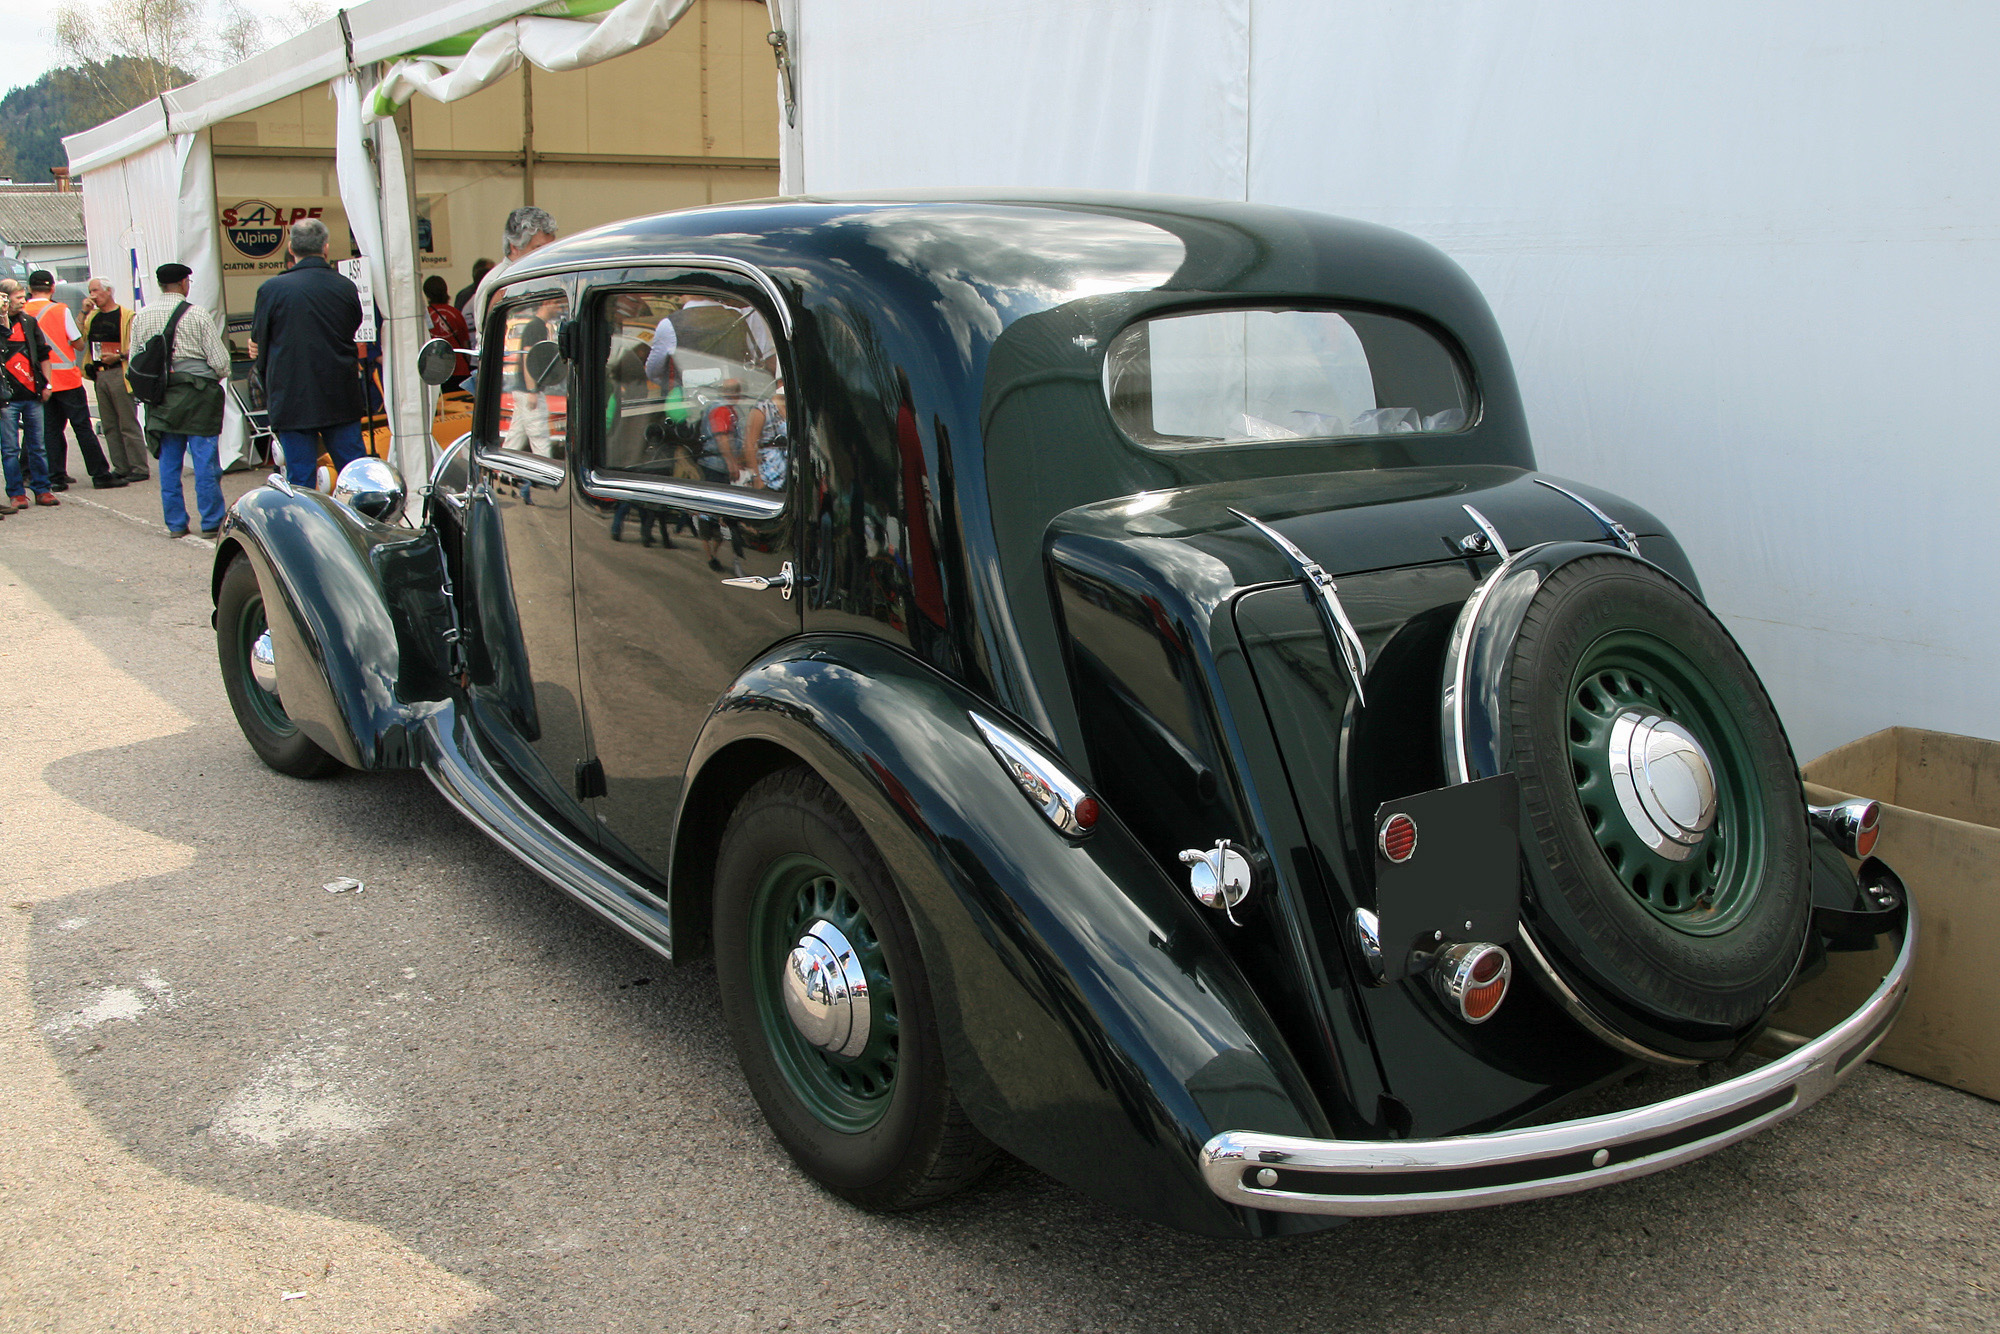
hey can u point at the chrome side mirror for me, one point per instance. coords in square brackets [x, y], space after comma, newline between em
[436, 361]
[370, 486]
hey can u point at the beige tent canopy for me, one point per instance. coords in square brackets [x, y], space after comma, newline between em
[412, 129]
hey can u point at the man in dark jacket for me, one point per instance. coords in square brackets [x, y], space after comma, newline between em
[303, 338]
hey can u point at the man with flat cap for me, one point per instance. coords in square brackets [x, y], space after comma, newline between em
[303, 337]
[187, 424]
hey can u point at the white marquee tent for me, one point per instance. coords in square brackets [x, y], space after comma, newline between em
[1745, 256]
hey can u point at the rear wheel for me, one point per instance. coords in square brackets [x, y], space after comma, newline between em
[249, 676]
[828, 1003]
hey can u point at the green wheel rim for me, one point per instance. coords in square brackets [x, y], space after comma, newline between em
[249, 625]
[1711, 891]
[847, 1094]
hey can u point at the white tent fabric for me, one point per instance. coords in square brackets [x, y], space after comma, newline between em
[153, 207]
[379, 30]
[550, 44]
[1116, 94]
[1744, 257]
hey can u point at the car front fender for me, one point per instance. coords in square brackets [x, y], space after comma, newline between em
[357, 617]
[1092, 1024]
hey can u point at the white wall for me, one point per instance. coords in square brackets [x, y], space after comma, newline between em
[1747, 258]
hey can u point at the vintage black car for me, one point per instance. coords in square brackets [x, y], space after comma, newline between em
[1105, 679]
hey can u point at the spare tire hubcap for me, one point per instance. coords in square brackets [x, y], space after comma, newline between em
[1664, 781]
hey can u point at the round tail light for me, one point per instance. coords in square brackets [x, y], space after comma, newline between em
[1867, 827]
[1398, 839]
[1473, 979]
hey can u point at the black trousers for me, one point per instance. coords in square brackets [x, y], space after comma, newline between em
[68, 406]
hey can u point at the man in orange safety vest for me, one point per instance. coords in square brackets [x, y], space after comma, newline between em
[65, 403]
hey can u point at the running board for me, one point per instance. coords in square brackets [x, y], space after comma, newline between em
[458, 769]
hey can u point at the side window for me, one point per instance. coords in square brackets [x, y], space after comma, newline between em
[533, 412]
[693, 390]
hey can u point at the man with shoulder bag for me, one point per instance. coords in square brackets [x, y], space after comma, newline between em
[179, 379]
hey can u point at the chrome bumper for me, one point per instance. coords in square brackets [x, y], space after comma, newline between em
[1355, 1178]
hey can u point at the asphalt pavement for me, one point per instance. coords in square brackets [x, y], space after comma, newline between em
[453, 1100]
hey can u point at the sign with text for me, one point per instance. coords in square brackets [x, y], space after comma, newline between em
[356, 270]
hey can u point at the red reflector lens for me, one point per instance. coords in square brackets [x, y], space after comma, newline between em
[1086, 813]
[1399, 838]
[1487, 967]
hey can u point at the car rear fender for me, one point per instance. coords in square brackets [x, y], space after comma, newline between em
[1091, 1022]
[358, 619]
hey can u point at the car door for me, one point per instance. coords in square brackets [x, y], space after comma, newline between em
[683, 477]
[525, 694]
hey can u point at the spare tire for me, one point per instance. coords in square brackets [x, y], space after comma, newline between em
[1668, 856]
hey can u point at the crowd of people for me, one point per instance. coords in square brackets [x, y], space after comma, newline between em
[170, 408]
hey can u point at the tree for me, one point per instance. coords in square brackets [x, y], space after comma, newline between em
[169, 39]
[153, 41]
[35, 117]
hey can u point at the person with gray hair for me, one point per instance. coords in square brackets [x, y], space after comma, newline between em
[527, 229]
[108, 334]
[302, 336]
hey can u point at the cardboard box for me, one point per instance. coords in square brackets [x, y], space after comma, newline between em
[1940, 798]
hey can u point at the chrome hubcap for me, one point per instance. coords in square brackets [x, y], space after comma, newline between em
[1664, 781]
[826, 993]
[264, 664]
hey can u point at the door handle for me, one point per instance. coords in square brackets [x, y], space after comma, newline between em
[783, 583]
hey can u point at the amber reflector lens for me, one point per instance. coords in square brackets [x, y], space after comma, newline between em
[1399, 838]
[1086, 813]
[1864, 839]
[1482, 1001]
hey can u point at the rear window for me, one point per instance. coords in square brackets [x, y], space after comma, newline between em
[1227, 377]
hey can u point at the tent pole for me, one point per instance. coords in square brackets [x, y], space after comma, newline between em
[527, 133]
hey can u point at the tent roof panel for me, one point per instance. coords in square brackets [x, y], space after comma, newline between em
[381, 30]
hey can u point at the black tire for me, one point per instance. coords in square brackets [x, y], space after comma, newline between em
[1695, 950]
[881, 1130]
[239, 619]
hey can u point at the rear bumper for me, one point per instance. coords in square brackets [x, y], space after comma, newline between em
[1353, 1178]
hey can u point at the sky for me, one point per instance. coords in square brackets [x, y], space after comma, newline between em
[33, 53]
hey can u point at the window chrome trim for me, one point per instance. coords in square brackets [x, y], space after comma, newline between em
[528, 271]
[1388, 1177]
[529, 467]
[707, 497]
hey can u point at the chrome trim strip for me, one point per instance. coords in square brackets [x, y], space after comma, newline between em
[1054, 793]
[528, 270]
[526, 467]
[466, 779]
[1573, 1006]
[1326, 597]
[707, 497]
[1576, 1155]
[1613, 529]
[1458, 768]
[1498, 544]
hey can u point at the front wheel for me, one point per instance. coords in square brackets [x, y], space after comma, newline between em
[828, 1004]
[249, 676]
